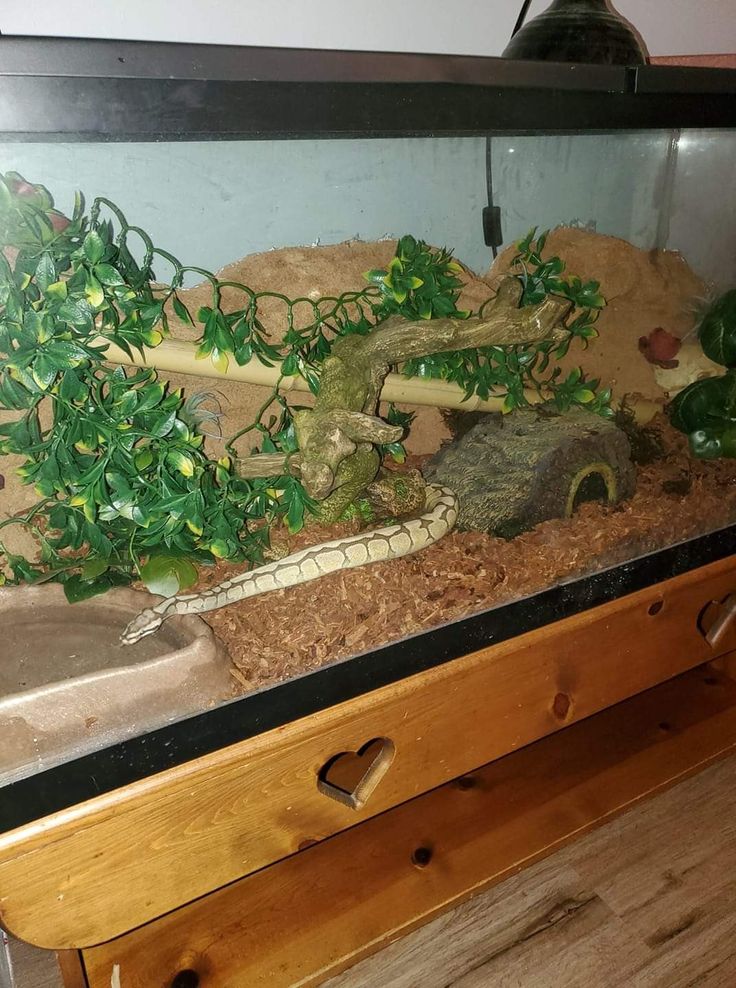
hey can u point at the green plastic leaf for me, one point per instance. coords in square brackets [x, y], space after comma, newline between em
[94, 292]
[127, 404]
[181, 462]
[584, 395]
[77, 588]
[219, 360]
[143, 460]
[71, 387]
[163, 426]
[159, 580]
[78, 205]
[44, 372]
[181, 311]
[151, 337]
[219, 548]
[78, 313]
[705, 404]
[195, 525]
[93, 247]
[167, 575]
[108, 275]
[151, 397]
[407, 247]
[45, 271]
[93, 568]
[295, 516]
[57, 290]
[718, 330]
[289, 366]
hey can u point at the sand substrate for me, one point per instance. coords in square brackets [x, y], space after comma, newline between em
[290, 632]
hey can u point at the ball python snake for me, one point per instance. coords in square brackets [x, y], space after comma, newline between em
[374, 546]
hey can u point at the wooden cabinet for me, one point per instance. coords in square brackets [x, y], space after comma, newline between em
[92, 872]
[304, 919]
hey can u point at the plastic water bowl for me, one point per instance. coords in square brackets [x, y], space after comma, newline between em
[67, 685]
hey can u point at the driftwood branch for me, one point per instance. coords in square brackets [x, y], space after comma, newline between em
[503, 324]
[337, 438]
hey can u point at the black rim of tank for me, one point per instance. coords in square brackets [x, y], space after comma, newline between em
[86, 90]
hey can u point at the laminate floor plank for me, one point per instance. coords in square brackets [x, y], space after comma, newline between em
[557, 927]
[566, 941]
[648, 901]
[33, 967]
[697, 941]
[674, 848]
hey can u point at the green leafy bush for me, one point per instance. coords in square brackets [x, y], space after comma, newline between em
[126, 488]
[116, 457]
[706, 409]
[508, 371]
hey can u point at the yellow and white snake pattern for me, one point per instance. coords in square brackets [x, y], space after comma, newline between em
[375, 546]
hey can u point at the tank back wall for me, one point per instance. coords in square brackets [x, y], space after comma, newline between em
[653, 188]
[252, 196]
[214, 202]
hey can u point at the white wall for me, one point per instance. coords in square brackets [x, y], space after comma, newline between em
[472, 27]
[480, 27]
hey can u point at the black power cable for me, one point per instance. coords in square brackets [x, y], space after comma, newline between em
[492, 233]
[491, 213]
[522, 16]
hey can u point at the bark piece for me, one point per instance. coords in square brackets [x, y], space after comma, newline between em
[512, 472]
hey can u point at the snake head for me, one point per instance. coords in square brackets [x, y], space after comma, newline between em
[142, 624]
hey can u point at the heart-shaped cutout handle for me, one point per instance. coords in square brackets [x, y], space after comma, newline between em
[715, 628]
[351, 776]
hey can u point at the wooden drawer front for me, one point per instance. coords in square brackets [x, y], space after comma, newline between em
[90, 873]
[304, 919]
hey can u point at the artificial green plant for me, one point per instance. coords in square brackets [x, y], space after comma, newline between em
[706, 409]
[116, 457]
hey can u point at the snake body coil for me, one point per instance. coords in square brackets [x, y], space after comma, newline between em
[375, 546]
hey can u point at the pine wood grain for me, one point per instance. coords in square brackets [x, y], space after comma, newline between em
[89, 873]
[71, 969]
[299, 921]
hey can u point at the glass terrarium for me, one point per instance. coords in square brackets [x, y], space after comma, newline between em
[357, 362]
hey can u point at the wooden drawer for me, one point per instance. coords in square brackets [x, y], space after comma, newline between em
[302, 920]
[90, 873]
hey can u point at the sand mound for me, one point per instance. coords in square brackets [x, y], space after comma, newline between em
[644, 288]
[306, 273]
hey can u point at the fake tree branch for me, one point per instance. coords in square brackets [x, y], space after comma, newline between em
[338, 437]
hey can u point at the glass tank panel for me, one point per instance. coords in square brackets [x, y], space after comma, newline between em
[288, 384]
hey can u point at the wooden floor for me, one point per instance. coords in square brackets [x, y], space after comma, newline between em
[649, 901]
